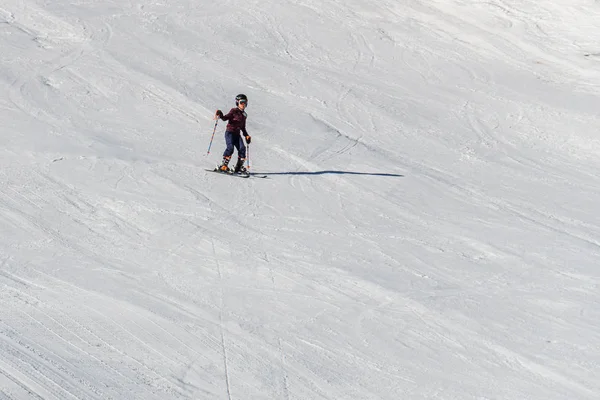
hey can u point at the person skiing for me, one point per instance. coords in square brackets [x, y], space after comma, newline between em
[236, 123]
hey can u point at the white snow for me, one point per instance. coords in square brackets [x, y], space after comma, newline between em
[429, 228]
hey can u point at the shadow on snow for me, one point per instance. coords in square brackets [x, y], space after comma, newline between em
[329, 172]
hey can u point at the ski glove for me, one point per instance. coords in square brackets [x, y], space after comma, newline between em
[248, 139]
[219, 113]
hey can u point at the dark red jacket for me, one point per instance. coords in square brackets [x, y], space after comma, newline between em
[237, 121]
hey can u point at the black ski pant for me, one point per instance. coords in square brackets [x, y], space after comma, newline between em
[234, 140]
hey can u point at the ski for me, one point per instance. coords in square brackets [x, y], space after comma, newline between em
[249, 175]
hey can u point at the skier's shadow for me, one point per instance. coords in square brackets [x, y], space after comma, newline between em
[332, 173]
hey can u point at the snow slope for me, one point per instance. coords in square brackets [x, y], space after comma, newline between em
[430, 228]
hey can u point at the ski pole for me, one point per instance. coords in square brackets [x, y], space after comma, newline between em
[248, 156]
[212, 137]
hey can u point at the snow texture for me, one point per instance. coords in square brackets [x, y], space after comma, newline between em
[430, 228]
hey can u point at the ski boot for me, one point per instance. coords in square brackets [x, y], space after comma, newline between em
[239, 167]
[224, 167]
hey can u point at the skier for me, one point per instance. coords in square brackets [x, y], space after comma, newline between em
[236, 123]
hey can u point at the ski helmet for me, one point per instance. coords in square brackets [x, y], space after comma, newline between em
[241, 98]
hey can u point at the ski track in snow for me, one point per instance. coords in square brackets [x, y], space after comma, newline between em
[430, 228]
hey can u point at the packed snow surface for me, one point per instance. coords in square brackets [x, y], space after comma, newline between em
[429, 227]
